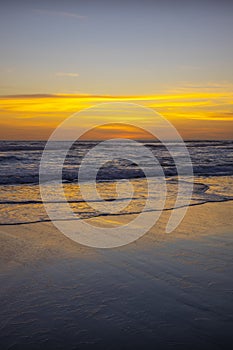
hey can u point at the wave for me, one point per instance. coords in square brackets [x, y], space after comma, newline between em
[112, 176]
[190, 143]
[27, 202]
[114, 214]
[8, 146]
[20, 161]
[9, 158]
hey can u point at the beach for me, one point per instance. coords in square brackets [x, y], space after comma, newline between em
[116, 175]
[163, 291]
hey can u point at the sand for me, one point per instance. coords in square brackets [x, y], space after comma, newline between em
[22, 244]
[164, 291]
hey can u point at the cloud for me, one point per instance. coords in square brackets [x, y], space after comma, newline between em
[60, 13]
[210, 85]
[71, 75]
[27, 96]
[61, 96]
[195, 115]
[188, 67]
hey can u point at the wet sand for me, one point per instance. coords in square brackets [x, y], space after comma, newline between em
[164, 291]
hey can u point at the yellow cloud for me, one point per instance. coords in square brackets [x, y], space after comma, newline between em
[71, 75]
[194, 113]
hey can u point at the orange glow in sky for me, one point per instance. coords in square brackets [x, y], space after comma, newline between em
[172, 56]
[196, 115]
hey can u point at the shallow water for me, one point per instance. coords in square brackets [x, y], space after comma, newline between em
[23, 203]
[20, 199]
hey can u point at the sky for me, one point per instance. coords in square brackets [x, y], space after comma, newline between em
[58, 57]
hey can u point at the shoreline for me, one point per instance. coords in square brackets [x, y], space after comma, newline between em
[111, 215]
[42, 240]
[164, 291]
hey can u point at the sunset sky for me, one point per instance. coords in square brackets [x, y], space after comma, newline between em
[60, 57]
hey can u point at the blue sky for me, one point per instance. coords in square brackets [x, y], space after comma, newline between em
[116, 48]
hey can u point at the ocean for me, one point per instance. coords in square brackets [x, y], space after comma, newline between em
[160, 292]
[20, 200]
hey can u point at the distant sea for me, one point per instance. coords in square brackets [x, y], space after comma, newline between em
[20, 200]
